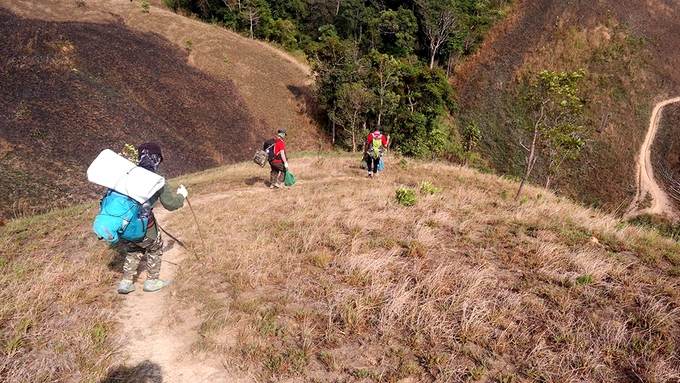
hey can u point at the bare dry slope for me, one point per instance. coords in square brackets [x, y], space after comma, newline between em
[79, 77]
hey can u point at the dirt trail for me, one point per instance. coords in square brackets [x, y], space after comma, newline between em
[647, 187]
[159, 336]
[160, 333]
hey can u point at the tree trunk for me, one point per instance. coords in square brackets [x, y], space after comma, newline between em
[531, 160]
[333, 133]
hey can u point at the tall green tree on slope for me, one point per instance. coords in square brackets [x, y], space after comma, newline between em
[556, 133]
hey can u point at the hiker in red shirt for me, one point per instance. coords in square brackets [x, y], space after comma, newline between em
[375, 144]
[279, 163]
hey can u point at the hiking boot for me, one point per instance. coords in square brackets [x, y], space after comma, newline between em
[280, 185]
[370, 175]
[155, 284]
[126, 286]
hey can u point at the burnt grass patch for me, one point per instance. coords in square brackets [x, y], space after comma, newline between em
[70, 90]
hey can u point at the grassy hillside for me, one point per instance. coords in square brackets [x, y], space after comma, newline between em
[624, 48]
[82, 76]
[335, 280]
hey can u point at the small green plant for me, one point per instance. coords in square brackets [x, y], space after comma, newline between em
[190, 43]
[80, 4]
[274, 364]
[146, 6]
[361, 374]
[584, 280]
[428, 188]
[328, 360]
[41, 135]
[406, 196]
[506, 378]
[99, 335]
[225, 58]
[130, 152]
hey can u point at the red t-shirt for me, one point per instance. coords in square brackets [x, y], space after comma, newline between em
[278, 146]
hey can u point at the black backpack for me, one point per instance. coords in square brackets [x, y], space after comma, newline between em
[268, 147]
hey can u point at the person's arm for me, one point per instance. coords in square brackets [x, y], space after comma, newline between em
[169, 201]
[283, 157]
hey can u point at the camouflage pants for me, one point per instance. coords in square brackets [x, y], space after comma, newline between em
[135, 251]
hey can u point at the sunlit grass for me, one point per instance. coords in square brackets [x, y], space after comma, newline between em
[334, 279]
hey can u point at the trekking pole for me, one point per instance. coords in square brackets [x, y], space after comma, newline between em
[197, 226]
[171, 236]
[179, 242]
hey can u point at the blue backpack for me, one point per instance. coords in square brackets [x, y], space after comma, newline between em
[119, 217]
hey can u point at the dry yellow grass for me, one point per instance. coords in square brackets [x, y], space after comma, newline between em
[334, 280]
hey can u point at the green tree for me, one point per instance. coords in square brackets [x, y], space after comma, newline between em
[354, 101]
[284, 32]
[294, 10]
[385, 75]
[353, 20]
[425, 96]
[399, 30]
[334, 63]
[471, 136]
[552, 98]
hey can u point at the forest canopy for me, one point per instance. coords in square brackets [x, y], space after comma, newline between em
[376, 62]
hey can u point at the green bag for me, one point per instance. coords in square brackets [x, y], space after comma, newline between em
[289, 180]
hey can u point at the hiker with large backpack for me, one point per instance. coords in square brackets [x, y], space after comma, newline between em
[375, 144]
[150, 242]
[277, 159]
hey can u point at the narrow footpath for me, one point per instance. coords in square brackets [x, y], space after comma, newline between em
[647, 187]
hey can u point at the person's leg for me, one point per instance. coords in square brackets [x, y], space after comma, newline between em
[133, 254]
[372, 165]
[154, 256]
[278, 174]
[154, 259]
[273, 175]
[132, 258]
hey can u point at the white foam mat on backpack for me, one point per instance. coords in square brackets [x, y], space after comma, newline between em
[116, 172]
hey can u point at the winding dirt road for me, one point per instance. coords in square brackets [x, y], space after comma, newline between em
[648, 190]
